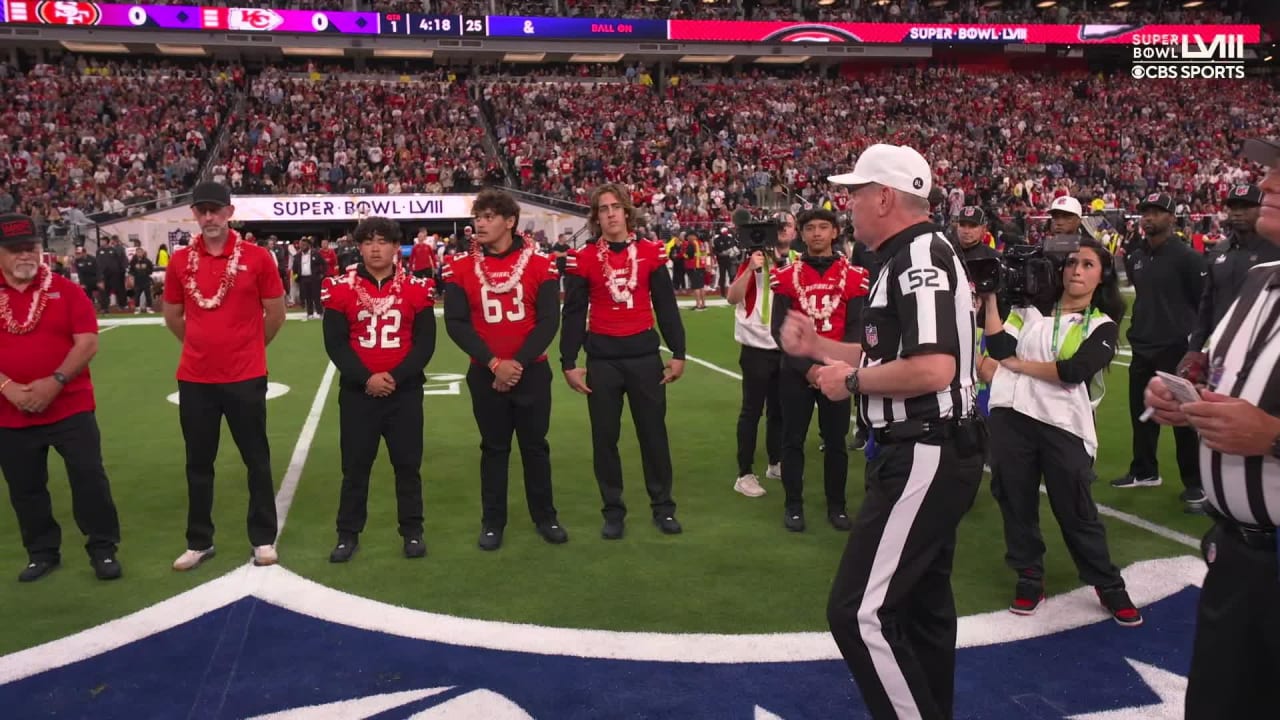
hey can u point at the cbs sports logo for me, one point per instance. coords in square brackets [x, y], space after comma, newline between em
[1187, 57]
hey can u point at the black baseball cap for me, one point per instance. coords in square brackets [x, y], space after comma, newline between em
[1159, 201]
[17, 229]
[1263, 152]
[972, 215]
[211, 193]
[1244, 195]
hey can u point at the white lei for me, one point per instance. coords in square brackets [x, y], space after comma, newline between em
[228, 275]
[809, 303]
[620, 295]
[510, 283]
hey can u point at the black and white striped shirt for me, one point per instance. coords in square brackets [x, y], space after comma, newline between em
[1243, 351]
[921, 303]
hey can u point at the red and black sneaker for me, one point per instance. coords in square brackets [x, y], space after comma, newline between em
[1028, 594]
[1122, 609]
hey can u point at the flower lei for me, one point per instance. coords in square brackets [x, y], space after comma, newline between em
[619, 295]
[228, 276]
[377, 306]
[516, 273]
[809, 303]
[38, 303]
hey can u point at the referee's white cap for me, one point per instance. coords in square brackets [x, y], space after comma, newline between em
[1264, 152]
[895, 166]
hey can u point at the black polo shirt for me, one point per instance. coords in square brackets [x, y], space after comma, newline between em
[1167, 282]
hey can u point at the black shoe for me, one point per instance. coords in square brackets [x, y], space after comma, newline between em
[37, 569]
[793, 520]
[612, 529]
[839, 520]
[553, 533]
[414, 547]
[668, 525]
[106, 566]
[490, 538]
[343, 551]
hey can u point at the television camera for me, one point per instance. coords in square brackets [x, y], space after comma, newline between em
[1024, 274]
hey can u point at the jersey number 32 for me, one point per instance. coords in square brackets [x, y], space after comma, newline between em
[380, 331]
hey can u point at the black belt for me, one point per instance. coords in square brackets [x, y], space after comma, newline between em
[1257, 537]
[935, 431]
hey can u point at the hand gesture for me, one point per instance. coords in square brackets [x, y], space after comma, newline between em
[1161, 400]
[18, 394]
[672, 372]
[577, 379]
[756, 261]
[1232, 426]
[507, 373]
[829, 379]
[380, 385]
[799, 338]
[40, 394]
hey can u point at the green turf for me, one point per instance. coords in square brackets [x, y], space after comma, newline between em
[734, 570]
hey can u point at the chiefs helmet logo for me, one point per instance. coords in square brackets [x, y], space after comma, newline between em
[254, 19]
[812, 33]
[69, 13]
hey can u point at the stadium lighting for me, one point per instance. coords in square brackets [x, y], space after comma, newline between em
[515, 57]
[1193, 3]
[87, 47]
[709, 59]
[1046, 4]
[1120, 3]
[194, 50]
[824, 3]
[782, 59]
[304, 51]
[992, 3]
[937, 3]
[595, 57]
[404, 53]
[1267, 58]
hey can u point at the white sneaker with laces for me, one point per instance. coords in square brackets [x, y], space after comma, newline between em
[264, 555]
[191, 559]
[774, 472]
[749, 485]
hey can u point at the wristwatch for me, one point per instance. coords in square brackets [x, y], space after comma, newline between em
[851, 383]
[62, 379]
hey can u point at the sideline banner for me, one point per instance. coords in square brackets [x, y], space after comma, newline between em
[310, 208]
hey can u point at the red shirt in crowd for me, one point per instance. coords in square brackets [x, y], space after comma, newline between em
[381, 342]
[605, 315]
[226, 344]
[37, 354]
[502, 320]
[422, 257]
[824, 289]
[330, 261]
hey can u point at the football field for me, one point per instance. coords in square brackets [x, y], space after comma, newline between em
[735, 570]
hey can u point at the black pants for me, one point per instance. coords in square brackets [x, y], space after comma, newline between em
[798, 400]
[92, 291]
[24, 459]
[201, 407]
[728, 271]
[364, 422]
[1236, 660]
[639, 379]
[1146, 435]
[891, 609]
[526, 411]
[760, 370]
[142, 295]
[1023, 449]
[284, 282]
[113, 285]
[309, 293]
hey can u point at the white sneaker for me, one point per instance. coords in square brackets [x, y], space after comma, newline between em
[774, 472]
[264, 555]
[191, 559]
[749, 485]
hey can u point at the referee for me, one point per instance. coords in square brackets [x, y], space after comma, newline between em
[891, 609]
[1236, 659]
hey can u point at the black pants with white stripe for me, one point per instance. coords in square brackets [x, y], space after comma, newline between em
[891, 609]
[798, 400]
[1022, 450]
[364, 422]
[1236, 661]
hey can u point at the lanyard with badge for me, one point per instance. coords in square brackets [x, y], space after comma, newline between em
[1057, 320]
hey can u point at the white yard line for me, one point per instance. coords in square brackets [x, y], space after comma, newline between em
[302, 448]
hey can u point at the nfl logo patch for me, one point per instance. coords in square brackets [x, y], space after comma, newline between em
[871, 335]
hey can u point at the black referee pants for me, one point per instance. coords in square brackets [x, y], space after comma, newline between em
[526, 411]
[201, 407]
[760, 370]
[1146, 435]
[1236, 661]
[309, 293]
[797, 401]
[24, 459]
[640, 380]
[891, 609]
[364, 422]
[1022, 450]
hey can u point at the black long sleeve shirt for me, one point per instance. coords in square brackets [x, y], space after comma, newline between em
[1167, 283]
[457, 323]
[1227, 270]
[1094, 354]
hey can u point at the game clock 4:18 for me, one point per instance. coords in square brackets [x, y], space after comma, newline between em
[439, 25]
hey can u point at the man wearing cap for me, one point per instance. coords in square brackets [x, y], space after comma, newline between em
[223, 300]
[971, 231]
[1236, 656]
[1066, 217]
[1228, 264]
[891, 608]
[48, 335]
[1168, 279]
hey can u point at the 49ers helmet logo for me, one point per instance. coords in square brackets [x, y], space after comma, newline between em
[65, 12]
[257, 19]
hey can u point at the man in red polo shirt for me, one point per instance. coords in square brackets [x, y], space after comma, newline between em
[502, 307]
[48, 334]
[215, 293]
[380, 332]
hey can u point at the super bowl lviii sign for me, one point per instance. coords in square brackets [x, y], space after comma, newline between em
[293, 208]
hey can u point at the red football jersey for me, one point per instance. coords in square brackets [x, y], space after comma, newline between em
[606, 316]
[502, 320]
[381, 342]
[829, 302]
[331, 261]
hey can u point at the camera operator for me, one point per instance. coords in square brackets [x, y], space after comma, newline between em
[1168, 276]
[971, 234]
[1043, 359]
[727, 253]
[828, 289]
[760, 358]
[1228, 264]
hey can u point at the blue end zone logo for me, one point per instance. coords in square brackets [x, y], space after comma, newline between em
[265, 643]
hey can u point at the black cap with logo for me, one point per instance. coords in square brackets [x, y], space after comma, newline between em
[1244, 195]
[211, 193]
[16, 229]
[972, 215]
[1159, 201]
